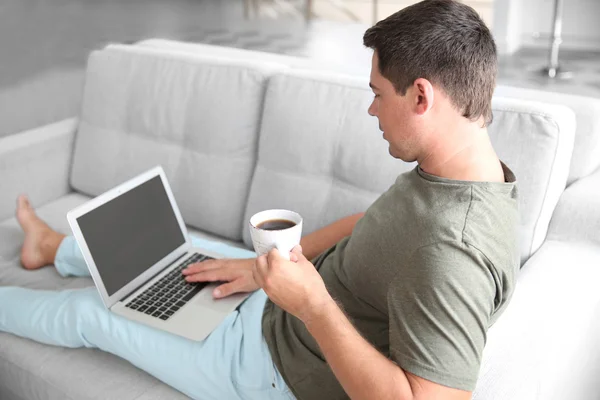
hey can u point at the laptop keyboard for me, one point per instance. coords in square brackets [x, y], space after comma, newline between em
[170, 293]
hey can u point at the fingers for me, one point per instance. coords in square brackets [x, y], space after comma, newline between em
[273, 255]
[212, 275]
[229, 288]
[295, 255]
[297, 252]
[204, 266]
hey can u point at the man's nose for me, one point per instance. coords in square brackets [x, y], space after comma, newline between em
[371, 110]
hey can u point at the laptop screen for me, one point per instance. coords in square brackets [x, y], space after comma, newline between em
[130, 233]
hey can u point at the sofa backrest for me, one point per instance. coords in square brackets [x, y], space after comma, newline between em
[323, 156]
[318, 151]
[328, 61]
[586, 152]
[196, 116]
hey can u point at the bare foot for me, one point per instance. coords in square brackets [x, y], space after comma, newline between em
[41, 242]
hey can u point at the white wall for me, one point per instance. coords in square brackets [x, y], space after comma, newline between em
[533, 26]
[507, 25]
[362, 10]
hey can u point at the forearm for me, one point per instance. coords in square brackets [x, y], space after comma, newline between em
[320, 240]
[363, 372]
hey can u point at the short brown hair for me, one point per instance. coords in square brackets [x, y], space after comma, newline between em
[445, 42]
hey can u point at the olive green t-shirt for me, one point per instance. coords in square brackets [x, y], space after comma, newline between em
[427, 270]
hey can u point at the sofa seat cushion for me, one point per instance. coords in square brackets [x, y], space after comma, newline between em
[30, 370]
[545, 345]
[196, 116]
[47, 278]
[12, 274]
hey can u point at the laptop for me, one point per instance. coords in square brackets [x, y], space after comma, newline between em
[135, 245]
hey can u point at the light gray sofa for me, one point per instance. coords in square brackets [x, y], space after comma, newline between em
[238, 132]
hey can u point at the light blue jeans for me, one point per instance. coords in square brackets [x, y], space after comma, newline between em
[233, 362]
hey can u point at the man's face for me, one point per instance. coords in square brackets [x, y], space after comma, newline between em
[396, 117]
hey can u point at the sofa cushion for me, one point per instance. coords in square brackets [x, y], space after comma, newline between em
[11, 274]
[196, 116]
[577, 214]
[545, 345]
[327, 61]
[586, 150]
[322, 155]
[30, 370]
[536, 141]
[37, 371]
[54, 213]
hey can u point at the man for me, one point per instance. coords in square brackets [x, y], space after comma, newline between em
[396, 303]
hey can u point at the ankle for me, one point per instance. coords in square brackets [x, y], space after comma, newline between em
[50, 245]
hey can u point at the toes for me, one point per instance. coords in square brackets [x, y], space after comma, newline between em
[23, 201]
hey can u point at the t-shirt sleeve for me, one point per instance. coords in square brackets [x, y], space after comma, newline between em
[439, 309]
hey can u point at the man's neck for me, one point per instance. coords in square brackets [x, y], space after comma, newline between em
[466, 156]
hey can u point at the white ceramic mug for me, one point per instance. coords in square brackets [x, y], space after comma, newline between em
[283, 240]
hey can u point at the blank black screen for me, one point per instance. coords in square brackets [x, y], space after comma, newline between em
[130, 233]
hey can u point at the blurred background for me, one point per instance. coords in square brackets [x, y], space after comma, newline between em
[44, 43]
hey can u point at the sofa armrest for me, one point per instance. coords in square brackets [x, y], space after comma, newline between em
[36, 162]
[545, 345]
[577, 214]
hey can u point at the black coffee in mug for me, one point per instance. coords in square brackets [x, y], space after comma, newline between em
[276, 224]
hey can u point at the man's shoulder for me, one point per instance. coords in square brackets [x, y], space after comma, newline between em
[447, 257]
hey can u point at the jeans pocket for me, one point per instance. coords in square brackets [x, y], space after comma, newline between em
[280, 385]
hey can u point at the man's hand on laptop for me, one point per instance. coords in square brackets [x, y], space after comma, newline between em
[237, 273]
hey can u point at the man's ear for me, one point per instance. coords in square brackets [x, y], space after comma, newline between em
[423, 95]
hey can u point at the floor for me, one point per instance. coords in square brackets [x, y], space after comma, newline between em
[44, 45]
